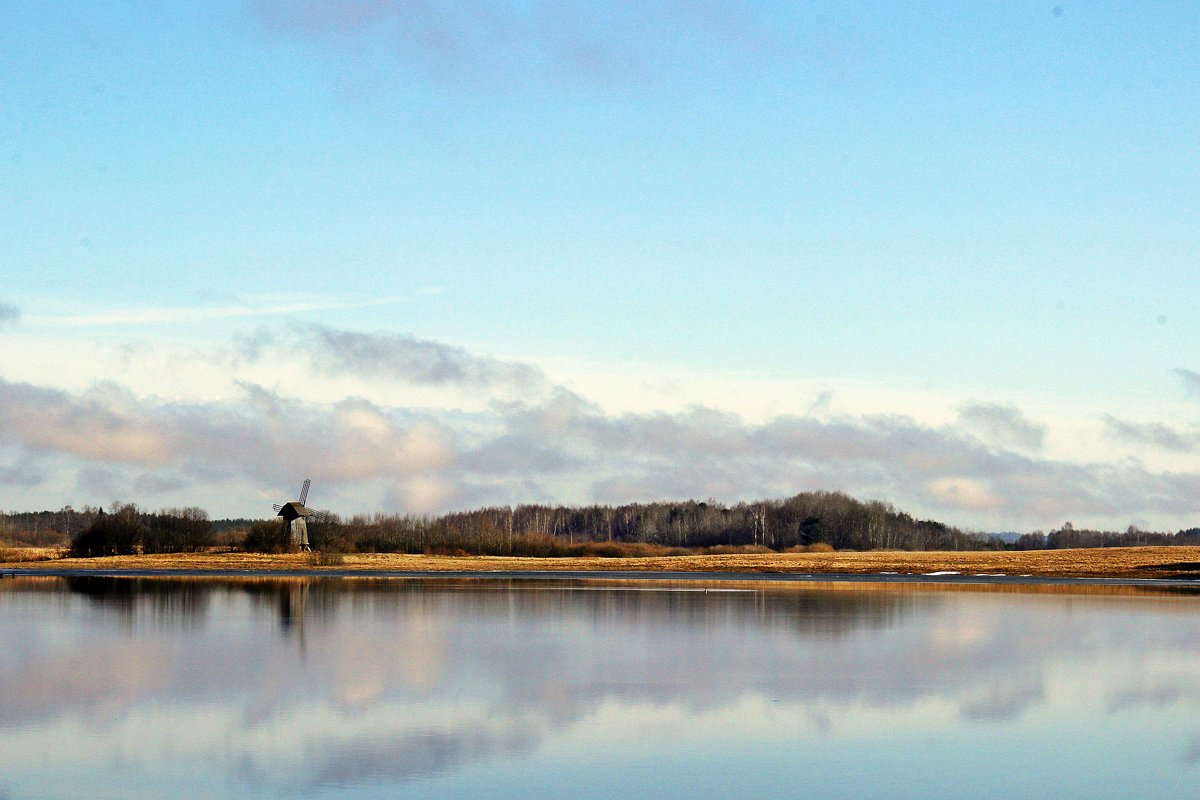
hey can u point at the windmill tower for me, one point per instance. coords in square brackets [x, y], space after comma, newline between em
[295, 517]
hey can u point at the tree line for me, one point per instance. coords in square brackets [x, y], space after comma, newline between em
[830, 520]
[44, 528]
[127, 530]
[1068, 536]
[809, 520]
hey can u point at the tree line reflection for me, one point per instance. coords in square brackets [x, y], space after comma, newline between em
[307, 683]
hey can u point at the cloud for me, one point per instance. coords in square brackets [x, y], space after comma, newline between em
[489, 43]
[422, 495]
[447, 677]
[704, 453]
[405, 358]
[114, 438]
[967, 493]
[1161, 693]
[25, 473]
[552, 445]
[152, 315]
[1150, 434]
[1006, 699]
[1003, 425]
[157, 483]
[1191, 755]
[9, 315]
[102, 482]
[103, 426]
[1191, 382]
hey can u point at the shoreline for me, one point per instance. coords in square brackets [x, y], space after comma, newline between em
[624, 576]
[1179, 566]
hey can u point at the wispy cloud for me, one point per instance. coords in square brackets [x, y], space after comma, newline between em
[154, 315]
[484, 42]
[407, 358]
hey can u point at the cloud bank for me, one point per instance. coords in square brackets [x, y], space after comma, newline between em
[549, 444]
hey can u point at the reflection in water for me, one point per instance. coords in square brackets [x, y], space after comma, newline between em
[268, 687]
[164, 603]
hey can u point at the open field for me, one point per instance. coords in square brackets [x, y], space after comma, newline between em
[1115, 562]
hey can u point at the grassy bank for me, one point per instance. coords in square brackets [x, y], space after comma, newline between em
[1113, 562]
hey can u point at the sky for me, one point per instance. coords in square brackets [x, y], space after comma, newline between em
[440, 255]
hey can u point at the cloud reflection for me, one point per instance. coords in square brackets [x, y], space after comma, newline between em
[306, 684]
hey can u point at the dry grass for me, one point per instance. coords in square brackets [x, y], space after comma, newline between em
[25, 555]
[1124, 562]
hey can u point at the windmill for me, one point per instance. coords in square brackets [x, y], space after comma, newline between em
[295, 517]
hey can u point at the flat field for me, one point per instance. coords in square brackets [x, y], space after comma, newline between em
[1114, 562]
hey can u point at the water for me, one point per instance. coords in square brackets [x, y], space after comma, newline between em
[443, 689]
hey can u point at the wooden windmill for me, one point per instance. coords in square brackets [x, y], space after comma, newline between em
[295, 517]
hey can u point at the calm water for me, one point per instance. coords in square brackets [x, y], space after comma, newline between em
[405, 688]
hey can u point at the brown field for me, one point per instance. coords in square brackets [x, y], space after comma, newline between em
[1122, 562]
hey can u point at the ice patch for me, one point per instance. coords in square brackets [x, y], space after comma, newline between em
[943, 572]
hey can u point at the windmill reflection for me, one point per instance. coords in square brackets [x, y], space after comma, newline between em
[293, 601]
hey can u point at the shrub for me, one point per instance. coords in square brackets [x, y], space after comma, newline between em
[126, 531]
[119, 533]
[608, 550]
[815, 547]
[14, 555]
[326, 558]
[177, 530]
[268, 537]
[230, 538]
[330, 536]
[738, 549]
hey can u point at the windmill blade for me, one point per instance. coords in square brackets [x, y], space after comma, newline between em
[304, 490]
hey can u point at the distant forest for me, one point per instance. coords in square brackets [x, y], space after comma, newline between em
[807, 521]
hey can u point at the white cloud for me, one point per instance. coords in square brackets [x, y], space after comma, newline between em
[500, 431]
[963, 493]
[153, 316]
[104, 425]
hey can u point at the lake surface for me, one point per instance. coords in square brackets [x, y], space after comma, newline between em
[496, 689]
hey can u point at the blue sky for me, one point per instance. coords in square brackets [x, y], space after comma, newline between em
[943, 256]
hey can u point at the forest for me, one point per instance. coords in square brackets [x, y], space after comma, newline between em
[806, 521]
